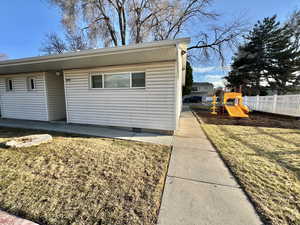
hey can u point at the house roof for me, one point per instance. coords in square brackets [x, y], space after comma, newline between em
[202, 84]
[132, 54]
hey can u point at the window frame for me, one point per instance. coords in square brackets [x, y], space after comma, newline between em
[91, 80]
[28, 81]
[131, 80]
[91, 74]
[7, 84]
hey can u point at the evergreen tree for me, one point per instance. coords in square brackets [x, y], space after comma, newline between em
[294, 24]
[246, 70]
[188, 80]
[270, 56]
[283, 59]
[250, 62]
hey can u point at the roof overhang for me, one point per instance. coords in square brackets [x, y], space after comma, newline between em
[132, 54]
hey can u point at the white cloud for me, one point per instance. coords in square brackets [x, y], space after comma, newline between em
[216, 79]
[203, 69]
[210, 69]
[219, 83]
[226, 68]
[214, 76]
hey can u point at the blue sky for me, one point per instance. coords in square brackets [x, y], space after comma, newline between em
[24, 26]
[254, 10]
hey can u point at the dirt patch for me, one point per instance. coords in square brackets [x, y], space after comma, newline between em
[255, 119]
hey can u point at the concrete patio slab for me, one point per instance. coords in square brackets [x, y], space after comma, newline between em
[153, 138]
[6, 219]
[199, 189]
[90, 130]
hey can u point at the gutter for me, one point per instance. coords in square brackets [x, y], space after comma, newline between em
[94, 52]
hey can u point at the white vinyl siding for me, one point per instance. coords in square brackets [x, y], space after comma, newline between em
[55, 96]
[21, 103]
[31, 83]
[179, 86]
[152, 107]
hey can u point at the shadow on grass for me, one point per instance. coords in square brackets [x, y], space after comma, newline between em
[19, 132]
[273, 135]
[272, 156]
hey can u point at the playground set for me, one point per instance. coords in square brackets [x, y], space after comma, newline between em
[232, 103]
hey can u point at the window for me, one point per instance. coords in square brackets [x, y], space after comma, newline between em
[9, 85]
[96, 81]
[31, 83]
[138, 79]
[117, 80]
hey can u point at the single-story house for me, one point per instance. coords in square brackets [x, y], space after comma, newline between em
[135, 86]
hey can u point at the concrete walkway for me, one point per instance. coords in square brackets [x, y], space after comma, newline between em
[199, 188]
[81, 129]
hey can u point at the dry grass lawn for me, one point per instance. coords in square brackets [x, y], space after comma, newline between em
[77, 180]
[266, 161]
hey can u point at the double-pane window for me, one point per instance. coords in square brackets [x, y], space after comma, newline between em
[118, 80]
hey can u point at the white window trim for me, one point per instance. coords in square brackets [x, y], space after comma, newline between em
[29, 83]
[145, 79]
[91, 81]
[7, 86]
[115, 73]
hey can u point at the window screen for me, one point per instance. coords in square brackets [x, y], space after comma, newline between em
[9, 85]
[117, 81]
[138, 79]
[96, 81]
[31, 84]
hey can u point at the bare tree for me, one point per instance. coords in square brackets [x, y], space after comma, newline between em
[216, 39]
[171, 21]
[141, 18]
[109, 22]
[76, 41]
[73, 41]
[53, 44]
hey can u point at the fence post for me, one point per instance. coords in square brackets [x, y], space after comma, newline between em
[257, 103]
[274, 103]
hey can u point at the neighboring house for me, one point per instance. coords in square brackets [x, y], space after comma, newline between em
[202, 89]
[136, 86]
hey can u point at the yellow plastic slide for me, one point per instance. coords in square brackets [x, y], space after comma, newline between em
[236, 111]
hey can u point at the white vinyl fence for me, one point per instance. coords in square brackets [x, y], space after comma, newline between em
[278, 104]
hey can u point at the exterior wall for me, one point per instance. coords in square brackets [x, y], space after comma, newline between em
[22, 103]
[178, 86]
[152, 107]
[55, 96]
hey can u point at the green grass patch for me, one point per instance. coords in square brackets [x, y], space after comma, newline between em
[77, 180]
[266, 161]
